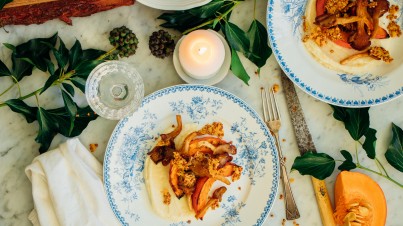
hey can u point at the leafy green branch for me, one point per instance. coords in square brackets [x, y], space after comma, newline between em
[357, 123]
[69, 72]
[253, 44]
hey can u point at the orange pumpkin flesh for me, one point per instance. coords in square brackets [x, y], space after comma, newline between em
[359, 200]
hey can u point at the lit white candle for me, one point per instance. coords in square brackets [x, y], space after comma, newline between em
[201, 54]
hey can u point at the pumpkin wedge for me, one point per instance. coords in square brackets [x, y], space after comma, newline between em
[359, 200]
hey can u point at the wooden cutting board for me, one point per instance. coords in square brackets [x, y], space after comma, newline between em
[39, 11]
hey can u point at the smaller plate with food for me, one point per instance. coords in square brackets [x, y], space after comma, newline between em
[191, 155]
[344, 52]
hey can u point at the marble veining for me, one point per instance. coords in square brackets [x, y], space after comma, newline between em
[18, 148]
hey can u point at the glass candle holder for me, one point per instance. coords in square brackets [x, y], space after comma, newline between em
[114, 89]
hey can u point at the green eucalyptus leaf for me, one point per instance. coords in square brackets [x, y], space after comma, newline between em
[91, 54]
[204, 17]
[62, 55]
[4, 2]
[207, 10]
[79, 83]
[181, 20]
[36, 50]
[340, 113]
[347, 155]
[85, 68]
[259, 50]
[20, 68]
[319, 165]
[83, 117]
[46, 131]
[21, 107]
[236, 37]
[71, 108]
[27, 60]
[237, 68]
[51, 46]
[394, 154]
[58, 120]
[347, 165]
[51, 80]
[356, 120]
[228, 7]
[50, 66]
[370, 143]
[76, 53]
[216, 21]
[4, 71]
[69, 88]
[9, 46]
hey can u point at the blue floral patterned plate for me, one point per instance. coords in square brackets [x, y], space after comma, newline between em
[248, 200]
[370, 85]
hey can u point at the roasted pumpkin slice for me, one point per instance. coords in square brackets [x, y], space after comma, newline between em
[174, 181]
[359, 200]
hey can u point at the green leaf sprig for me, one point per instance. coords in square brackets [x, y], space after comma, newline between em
[70, 69]
[357, 123]
[216, 15]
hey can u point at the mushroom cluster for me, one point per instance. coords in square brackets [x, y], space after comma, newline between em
[357, 21]
[203, 158]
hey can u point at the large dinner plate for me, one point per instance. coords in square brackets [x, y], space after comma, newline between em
[174, 4]
[247, 201]
[384, 83]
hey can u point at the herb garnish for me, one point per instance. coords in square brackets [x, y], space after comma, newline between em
[216, 15]
[357, 123]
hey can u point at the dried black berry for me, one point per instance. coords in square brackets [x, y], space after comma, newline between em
[161, 44]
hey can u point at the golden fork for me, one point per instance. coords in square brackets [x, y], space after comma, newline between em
[272, 118]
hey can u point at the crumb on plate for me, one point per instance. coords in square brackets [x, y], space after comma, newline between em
[380, 53]
[276, 88]
[166, 197]
[394, 29]
[93, 147]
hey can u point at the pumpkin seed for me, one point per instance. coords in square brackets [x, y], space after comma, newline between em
[363, 211]
[350, 217]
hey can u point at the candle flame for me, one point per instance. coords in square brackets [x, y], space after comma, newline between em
[202, 50]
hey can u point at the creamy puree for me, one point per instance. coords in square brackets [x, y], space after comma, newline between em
[331, 54]
[156, 179]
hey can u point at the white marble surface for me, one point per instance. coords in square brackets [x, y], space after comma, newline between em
[18, 148]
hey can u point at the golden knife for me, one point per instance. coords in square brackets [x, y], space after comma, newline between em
[305, 143]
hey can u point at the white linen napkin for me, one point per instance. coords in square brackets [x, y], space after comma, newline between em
[67, 188]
